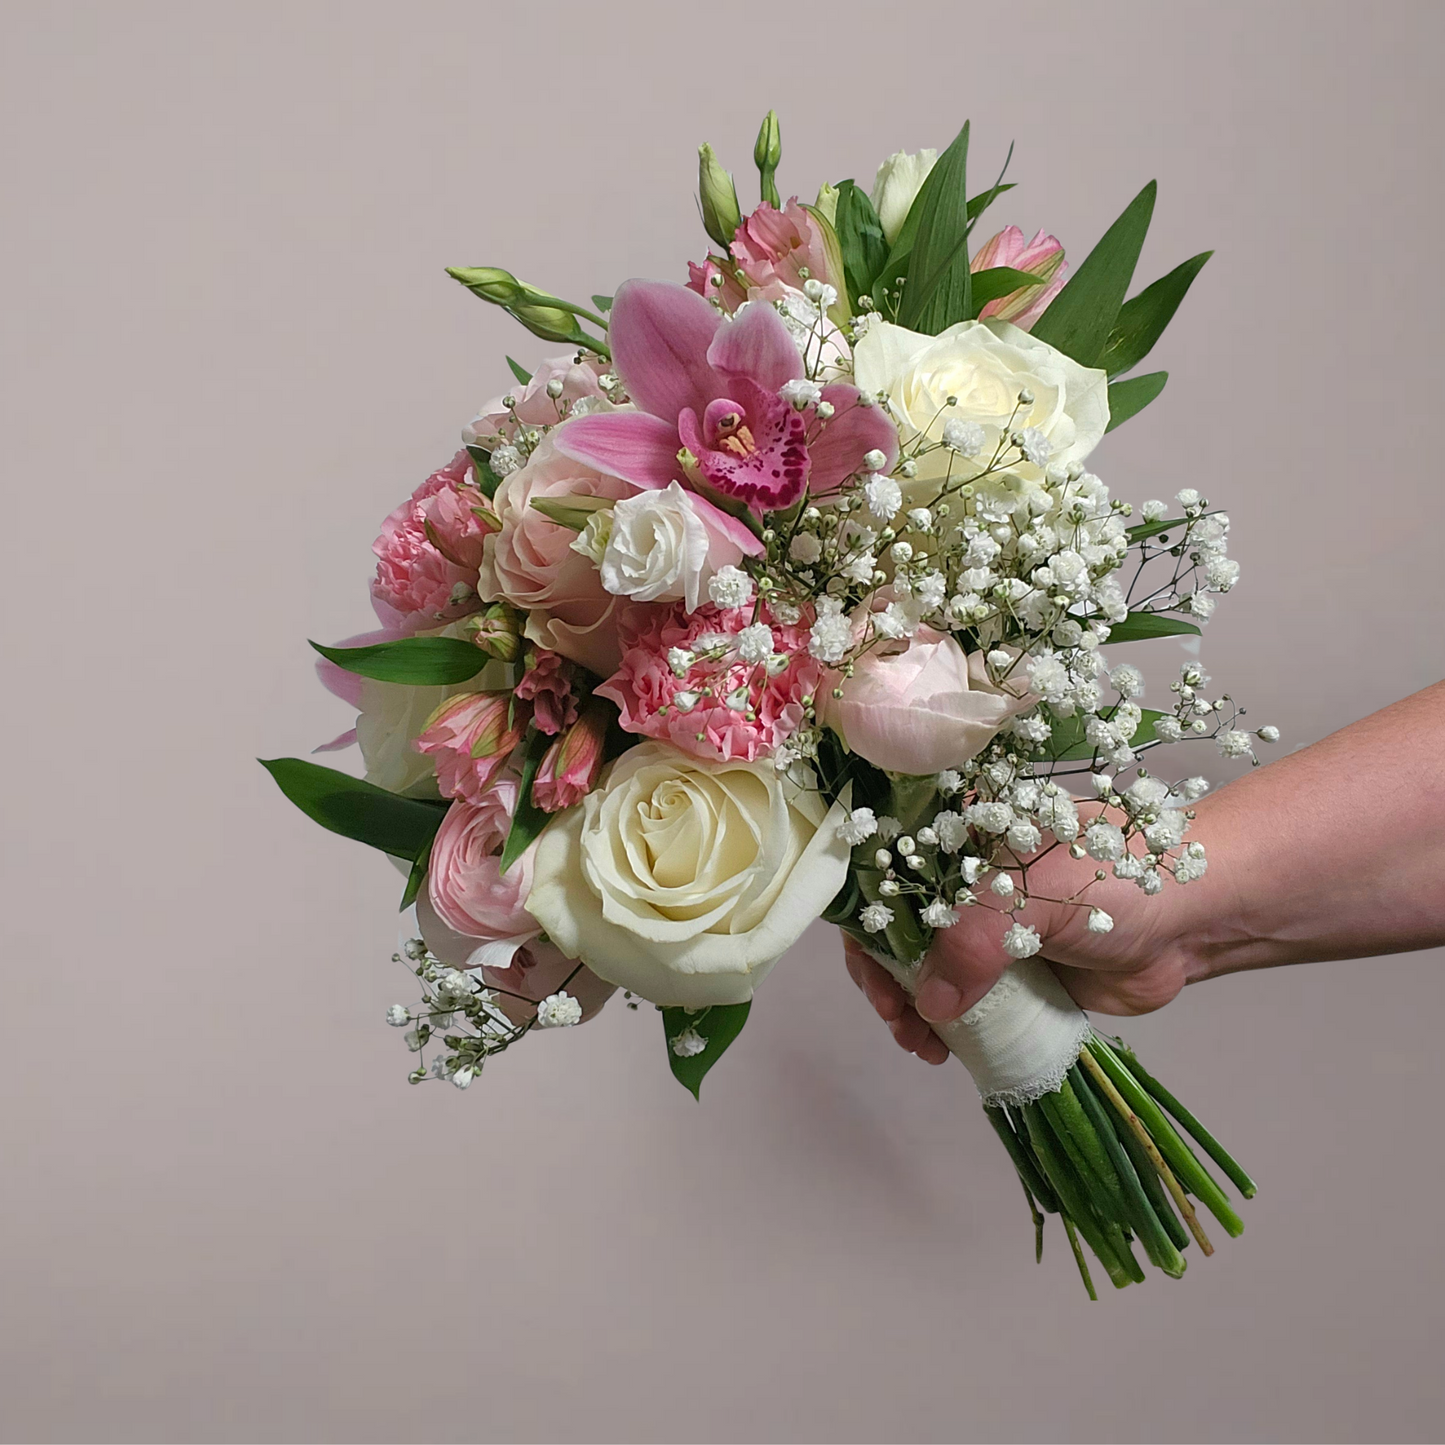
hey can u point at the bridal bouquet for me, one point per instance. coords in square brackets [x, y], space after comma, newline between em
[788, 593]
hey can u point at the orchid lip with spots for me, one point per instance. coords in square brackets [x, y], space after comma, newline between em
[792, 592]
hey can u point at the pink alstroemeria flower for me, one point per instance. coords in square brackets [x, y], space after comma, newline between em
[1042, 257]
[711, 386]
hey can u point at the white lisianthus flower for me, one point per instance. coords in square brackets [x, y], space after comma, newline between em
[685, 881]
[984, 365]
[897, 184]
[663, 546]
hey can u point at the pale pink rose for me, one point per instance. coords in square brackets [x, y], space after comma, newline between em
[530, 562]
[547, 685]
[921, 708]
[523, 972]
[470, 739]
[711, 280]
[772, 248]
[570, 767]
[428, 552]
[769, 707]
[1043, 257]
[465, 883]
[494, 424]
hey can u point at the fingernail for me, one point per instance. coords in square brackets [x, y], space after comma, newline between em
[938, 1000]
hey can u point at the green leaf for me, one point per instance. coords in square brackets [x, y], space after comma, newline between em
[529, 819]
[999, 281]
[519, 371]
[939, 289]
[1152, 529]
[414, 661]
[1067, 743]
[487, 480]
[399, 826]
[980, 203]
[719, 1025]
[416, 877]
[860, 238]
[1081, 317]
[1129, 397]
[1139, 625]
[1142, 318]
[602, 303]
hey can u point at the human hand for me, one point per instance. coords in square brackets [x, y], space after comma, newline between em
[1136, 967]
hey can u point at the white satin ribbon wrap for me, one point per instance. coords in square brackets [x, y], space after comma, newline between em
[1020, 1039]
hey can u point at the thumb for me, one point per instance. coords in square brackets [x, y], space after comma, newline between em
[964, 962]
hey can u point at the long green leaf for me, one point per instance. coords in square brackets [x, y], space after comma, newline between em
[487, 480]
[399, 826]
[1139, 625]
[416, 877]
[939, 289]
[1153, 529]
[1079, 319]
[718, 1025]
[1142, 318]
[1128, 398]
[529, 820]
[519, 371]
[860, 238]
[415, 661]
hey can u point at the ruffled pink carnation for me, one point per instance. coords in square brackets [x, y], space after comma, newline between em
[773, 247]
[547, 685]
[429, 550]
[722, 708]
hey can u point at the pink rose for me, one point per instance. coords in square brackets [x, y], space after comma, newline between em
[429, 550]
[470, 738]
[494, 424]
[465, 883]
[772, 248]
[922, 708]
[724, 707]
[530, 562]
[569, 768]
[547, 685]
[1042, 257]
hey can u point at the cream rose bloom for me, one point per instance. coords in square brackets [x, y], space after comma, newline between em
[896, 187]
[985, 365]
[685, 881]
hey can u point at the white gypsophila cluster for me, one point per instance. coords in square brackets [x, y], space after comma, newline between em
[462, 1013]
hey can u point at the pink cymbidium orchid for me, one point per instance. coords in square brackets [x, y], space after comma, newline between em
[709, 388]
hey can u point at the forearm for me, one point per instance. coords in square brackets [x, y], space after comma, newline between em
[1337, 851]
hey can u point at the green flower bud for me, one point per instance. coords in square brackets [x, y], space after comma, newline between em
[491, 283]
[767, 152]
[721, 215]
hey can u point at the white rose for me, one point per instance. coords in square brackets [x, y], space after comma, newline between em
[685, 881]
[984, 365]
[663, 546]
[897, 183]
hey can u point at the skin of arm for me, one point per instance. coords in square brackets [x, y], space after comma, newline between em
[1337, 851]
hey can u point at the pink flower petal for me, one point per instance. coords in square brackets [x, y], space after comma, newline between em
[756, 345]
[640, 449]
[660, 334]
[839, 445]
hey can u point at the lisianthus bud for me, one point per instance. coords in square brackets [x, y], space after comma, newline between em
[470, 737]
[721, 214]
[497, 631]
[570, 767]
[767, 152]
[490, 282]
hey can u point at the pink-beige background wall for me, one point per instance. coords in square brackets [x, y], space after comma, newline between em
[229, 348]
